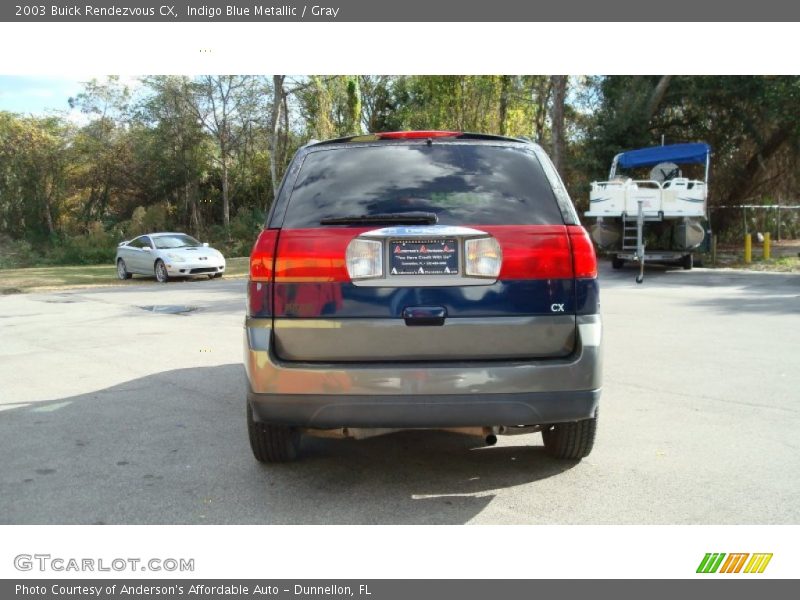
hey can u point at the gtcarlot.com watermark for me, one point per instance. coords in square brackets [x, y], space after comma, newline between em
[58, 564]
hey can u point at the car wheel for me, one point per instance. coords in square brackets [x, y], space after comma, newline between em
[570, 440]
[687, 262]
[122, 270]
[272, 443]
[211, 276]
[617, 263]
[217, 275]
[161, 271]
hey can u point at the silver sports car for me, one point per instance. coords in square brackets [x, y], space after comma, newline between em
[168, 255]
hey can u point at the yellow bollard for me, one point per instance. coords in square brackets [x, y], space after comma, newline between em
[714, 250]
[748, 248]
[767, 249]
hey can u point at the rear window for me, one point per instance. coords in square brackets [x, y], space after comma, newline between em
[463, 184]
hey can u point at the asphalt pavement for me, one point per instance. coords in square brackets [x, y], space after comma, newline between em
[115, 411]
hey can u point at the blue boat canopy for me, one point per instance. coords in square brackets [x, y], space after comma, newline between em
[676, 153]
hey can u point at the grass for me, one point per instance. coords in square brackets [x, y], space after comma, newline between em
[783, 264]
[13, 281]
[785, 257]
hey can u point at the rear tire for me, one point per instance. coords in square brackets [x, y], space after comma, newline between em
[272, 443]
[617, 263]
[570, 440]
[687, 262]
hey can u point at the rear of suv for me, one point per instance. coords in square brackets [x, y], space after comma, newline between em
[422, 280]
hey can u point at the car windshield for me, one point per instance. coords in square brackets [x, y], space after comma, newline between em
[179, 240]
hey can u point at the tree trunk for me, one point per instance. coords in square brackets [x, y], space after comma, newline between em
[48, 212]
[657, 96]
[48, 215]
[505, 85]
[226, 211]
[277, 101]
[557, 120]
[353, 106]
[541, 91]
[194, 216]
[284, 137]
[743, 182]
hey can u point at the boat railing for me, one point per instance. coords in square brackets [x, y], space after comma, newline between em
[679, 182]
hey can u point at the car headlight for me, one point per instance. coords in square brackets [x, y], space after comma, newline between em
[176, 258]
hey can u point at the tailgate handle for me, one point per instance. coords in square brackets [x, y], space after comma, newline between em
[424, 315]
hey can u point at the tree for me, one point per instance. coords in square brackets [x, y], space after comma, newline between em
[376, 101]
[101, 145]
[353, 124]
[559, 85]
[33, 174]
[278, 102]
[227, 106]
[749, 121]
[179, 146]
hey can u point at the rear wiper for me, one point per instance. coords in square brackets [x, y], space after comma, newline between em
[407, 218]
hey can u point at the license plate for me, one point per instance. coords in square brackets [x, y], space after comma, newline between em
[423, 257]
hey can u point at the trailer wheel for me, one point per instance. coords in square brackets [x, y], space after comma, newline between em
[617, 262]
[687, 262]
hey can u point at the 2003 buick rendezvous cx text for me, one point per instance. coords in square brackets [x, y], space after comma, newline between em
[423, 279]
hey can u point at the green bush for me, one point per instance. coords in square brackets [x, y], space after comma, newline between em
[17, 253]
[244, 230]
[95, 247]
[99, 243]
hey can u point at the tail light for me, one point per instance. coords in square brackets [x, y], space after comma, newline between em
[313, 255]
[584, 259]
[483, 257]
[262, 257]
[364, 259]
[532, 251]
[262, 260]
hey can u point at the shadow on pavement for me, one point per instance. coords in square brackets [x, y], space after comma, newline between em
[172, 448]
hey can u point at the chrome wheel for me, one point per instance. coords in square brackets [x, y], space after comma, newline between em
[161, 272]
[122, 271]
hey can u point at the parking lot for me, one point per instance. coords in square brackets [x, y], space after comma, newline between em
[112, 411]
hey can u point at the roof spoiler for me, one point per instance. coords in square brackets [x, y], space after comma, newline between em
[395, 135]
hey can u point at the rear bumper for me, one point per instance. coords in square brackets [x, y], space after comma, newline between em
[438, 394]
[423, 411]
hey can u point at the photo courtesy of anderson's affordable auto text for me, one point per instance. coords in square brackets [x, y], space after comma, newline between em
[448, 268]
[188, 589]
